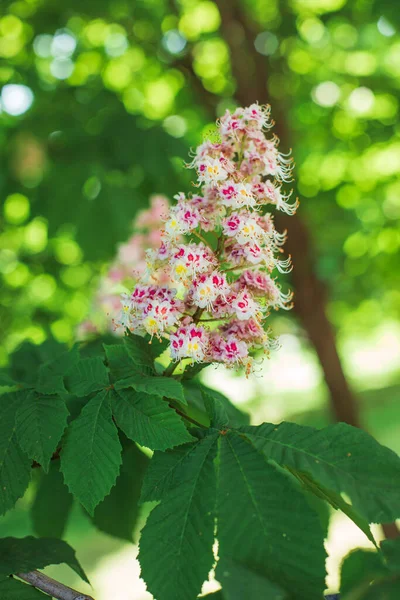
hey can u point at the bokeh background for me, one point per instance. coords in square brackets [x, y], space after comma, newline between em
[100, 103]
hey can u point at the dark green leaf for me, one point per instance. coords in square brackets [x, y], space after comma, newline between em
[15, 466]
[52, 504]
[40, 423]
[88, 375]
[176, 545]
[335, 457]
[119, 361]
[215, 410]
[163, 472]
[11, 589]
[239, 582]
[20, 555]
[194, 394]
[359, 569]
[91, 455]
[6, 379]
[148, 420]
[159, 386]
[265, 523]
[391, 551]
[117, 514]
[336, 501]
[140, 352]
[193, 370]
[51, 374]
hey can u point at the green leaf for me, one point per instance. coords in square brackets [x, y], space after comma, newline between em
[6, 380]
[176, 545]
[391, 551]
[87, 376]
[163, 472]
[51, 374]
[20, 555]
[215, 410]
[265, 523]
[239, 582]
[340, 458]
[140, 352]
[52, 504]
[15, 466]
[11, 589]
[119, 361]
[148, 420]
[192, 370]
[40, 423]
[359, 570]
[117, 514]
[159, 386]
[336, 501]
[91, 455]
[194, 394]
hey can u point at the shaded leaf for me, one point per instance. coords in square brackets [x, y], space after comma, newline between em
[119, 361]
[15, 466]
[163, 472]
[158, 386]
[91, 455]
[117, 514]
[335, 457]
[179, 533]
[148, 420]
[20, 555]
[140, 351]
[263, 521]
[40, 423]
[239, 582]
[11, 589]
[87, 376]
[215, 410]
[51, 374]
[52, 504]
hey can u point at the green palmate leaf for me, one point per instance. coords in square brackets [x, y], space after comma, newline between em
[336, 501]
[239, 582]
[340, 458]
[215, 410]
[40, 423]
[193, 370]
[15, 466]
[119, 361]
[194, 394]
[91, 455]
[218, 595]
[391, 551]
[117, 514]
[20, 555]
[158, 386]
[163, 472]
[51, 374]
[148, 420]
[11, 589]
[52, 504]
[176, 544]
[87, 376]
[157, 347]
[359, 569]
[265, 523]
[6, 380]
[140, 351]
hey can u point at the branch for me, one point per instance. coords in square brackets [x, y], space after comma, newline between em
[55, 589]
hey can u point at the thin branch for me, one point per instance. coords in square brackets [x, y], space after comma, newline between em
[50, 586]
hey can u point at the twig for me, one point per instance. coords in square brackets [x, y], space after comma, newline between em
[50, 586]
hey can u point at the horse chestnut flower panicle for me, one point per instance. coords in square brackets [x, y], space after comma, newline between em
[219, 249]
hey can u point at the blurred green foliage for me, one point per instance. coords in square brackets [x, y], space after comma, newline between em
[101, 102]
